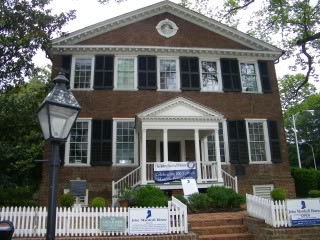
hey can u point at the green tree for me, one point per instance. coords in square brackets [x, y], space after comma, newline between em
[25, 27]
[21, 140]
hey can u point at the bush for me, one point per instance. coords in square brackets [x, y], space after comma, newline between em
[199, 202]
[98, 202]
[305, 180]
[222, 197]
[66, 200]
[150, 196]
[314, 193]
[182, 199]
[278, 194]
[19, 196]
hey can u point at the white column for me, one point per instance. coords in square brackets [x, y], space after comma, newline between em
[218, 158]
[144, 156]
[197, 154]
[165, 145]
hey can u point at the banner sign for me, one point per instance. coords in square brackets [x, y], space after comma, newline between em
[172, 171]
[148, 221]
[304, 212]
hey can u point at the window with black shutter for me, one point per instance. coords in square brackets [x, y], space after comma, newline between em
[101, 143]
[264, 76]
[274, 142]
[66, 65]
[230, 75]
[103, 73]
[189, 73]
[238, 148]
[147, 72]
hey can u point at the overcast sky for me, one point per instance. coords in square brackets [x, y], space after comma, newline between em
[89, 12]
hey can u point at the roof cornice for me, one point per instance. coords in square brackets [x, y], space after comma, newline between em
[158, 8]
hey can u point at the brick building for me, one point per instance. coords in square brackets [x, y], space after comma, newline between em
[164, 83]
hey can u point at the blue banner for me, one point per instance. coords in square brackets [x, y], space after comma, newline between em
[172, 171]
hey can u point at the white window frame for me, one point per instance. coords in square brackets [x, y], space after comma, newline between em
[78, 199]
[266, 140]
[135, 74]
[67, 148]
[218, 73]
[72, 76]
[256, 68]
[176, 59]
[114, 142]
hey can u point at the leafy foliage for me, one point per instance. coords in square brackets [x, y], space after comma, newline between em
[199, 202]
[98, 202]
[224, 197]
[67, 200]
[305, 180]
[314, 193]
[25, 27]
[19, 196]
[278, 194]
[150, 196]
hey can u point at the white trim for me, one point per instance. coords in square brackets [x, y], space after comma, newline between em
[72, 74]
[114, 143]
[219, 76]
[176, 59]
[167, 34]
[67, 146]
[266, 140]
[256, 68]
[266, 187]
[226, 143]
[135, 72]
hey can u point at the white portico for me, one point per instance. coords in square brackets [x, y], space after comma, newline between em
[177, 121]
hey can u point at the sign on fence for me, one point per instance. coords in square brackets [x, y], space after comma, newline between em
[148, 221]
[171, 171]
[304, 212]
[112, 224]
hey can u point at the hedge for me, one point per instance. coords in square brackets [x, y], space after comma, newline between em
[305, 180]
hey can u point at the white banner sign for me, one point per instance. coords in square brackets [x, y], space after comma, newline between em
[304, 212]
[148, 221]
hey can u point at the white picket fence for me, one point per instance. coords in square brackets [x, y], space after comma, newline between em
[78, 221]
[273, 213]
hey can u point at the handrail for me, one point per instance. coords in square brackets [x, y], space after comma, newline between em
[230, 181]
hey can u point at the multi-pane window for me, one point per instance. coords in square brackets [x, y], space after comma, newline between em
[257, 141]
[212, 146]
[248, 77]
[82, 73]
[209, 76]
[168, 74]
[79, 142]
[125, 73]
[125, 142]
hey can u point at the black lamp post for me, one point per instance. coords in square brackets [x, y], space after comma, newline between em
[56, 115]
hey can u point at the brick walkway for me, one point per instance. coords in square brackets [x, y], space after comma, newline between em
[209, 216]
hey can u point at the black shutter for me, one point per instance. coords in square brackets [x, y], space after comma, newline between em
[238, 146]
[103, 73]
[147, 72]
[264, 76]
[189, 73]
[101, 143]
[66, 65]
[62, 149]
[274, 142]
[230, 75]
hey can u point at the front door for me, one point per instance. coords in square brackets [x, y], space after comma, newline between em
[173, 151]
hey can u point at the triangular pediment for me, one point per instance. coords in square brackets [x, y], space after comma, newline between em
[79, 40]
[180, 108]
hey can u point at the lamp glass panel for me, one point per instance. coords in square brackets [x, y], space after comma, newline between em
[44, 121]
[61, 119]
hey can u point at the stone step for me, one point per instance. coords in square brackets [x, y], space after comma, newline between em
[235, 236]
[215, 222]
[224, 229]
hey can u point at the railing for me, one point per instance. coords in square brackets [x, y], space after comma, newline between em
[209, 171]
[130, 180]
[31, 221]
[273, 213]
[230, 181]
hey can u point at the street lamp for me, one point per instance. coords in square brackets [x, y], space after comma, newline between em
[294, 118]
[56, 115]
[314, 159]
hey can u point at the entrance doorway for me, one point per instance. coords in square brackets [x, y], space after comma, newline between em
[173, 151]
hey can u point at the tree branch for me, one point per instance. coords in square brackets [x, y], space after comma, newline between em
[308, 39]
[240, 7]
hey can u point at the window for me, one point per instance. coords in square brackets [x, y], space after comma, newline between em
[249, 77]
[264, 76]
[78, 144]
[147, 72]
[257, 142]
[212, 146]
[189, 70]
[103, 73]
[82, 73]
[167, 28]
[81, 201]
[168, 69]
[209, 76]
[124, 141]
[230, 75]
[126, 77]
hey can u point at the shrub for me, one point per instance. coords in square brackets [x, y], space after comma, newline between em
[150, 196]
[305, 180]
[19, 196]
[98, 202]
[222, 197]
[314, 193]
[182, 199]
[66, 200]
[278, 194]
[199, 201]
